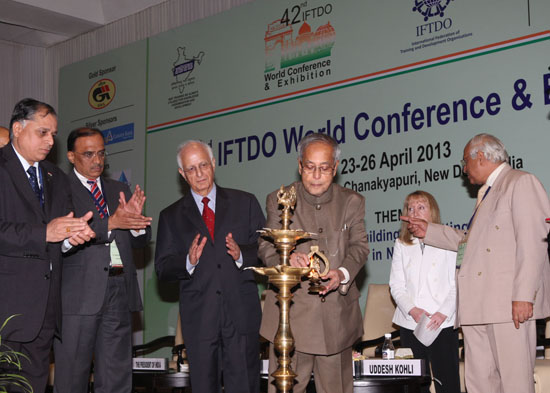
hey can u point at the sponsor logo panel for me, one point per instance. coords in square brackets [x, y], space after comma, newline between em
[101, 93]
[117, 134]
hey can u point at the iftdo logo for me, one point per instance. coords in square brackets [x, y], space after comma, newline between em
[102, 93]
[429, 9]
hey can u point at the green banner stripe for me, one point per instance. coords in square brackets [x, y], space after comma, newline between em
[359, 82]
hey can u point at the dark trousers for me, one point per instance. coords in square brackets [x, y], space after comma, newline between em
[105, 337]
[230, 356]
[442, 355]
[37, 368]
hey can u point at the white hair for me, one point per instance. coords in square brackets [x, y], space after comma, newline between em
[183, 145]
[491, 147]
[319, 137]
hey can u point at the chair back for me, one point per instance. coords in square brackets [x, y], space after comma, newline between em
[179, 337]
[379, 312]
[179, 354]
[547, 335]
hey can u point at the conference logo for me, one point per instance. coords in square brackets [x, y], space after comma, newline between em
[102, 93]
[438, 29]
[431, 8]
[298, 45]
[184, 70]
[183, 67]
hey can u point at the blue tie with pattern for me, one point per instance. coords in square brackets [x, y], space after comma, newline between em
[33, 179]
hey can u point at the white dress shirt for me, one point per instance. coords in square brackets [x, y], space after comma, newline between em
[26, 167]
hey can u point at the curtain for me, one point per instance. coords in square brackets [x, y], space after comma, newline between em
[27, 71]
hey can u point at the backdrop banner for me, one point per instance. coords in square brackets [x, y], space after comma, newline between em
[401, 85]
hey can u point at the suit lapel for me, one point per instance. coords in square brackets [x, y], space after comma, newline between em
[111, 198]
[495, 188]
[21, 181]
[82, 194]
[47, 180]
[192, 213]
[110, 195]
[222, 204]
[488, 204]
[415, 254]
[494, 192]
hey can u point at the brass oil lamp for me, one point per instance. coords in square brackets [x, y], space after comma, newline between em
[286, 277]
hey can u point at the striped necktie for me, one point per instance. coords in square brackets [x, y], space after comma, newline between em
[98, 199]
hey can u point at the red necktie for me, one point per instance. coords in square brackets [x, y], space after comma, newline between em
[208, 216]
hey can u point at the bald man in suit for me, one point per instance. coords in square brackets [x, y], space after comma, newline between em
[503, 269]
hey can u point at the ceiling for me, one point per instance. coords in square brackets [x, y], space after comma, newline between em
[44, 23]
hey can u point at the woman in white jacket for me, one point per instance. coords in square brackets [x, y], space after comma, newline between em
[422, 282]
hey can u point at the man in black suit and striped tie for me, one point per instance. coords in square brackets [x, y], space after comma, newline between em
[100, 289]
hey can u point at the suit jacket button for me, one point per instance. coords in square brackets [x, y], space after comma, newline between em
[218, 292]
[106, 269]
[219, 266]
[318, 207]
[488, 250]
[320, 230]
[46, 276]
[497, 227]
[479, 273]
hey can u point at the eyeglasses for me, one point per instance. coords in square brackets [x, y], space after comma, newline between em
[192, 170]
[89, 155]
[323, 169]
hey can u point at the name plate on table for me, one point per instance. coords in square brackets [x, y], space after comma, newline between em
[152, 364]
[264, 366]
[395, 367]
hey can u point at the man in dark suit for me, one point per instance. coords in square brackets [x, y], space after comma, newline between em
[100, 289]
[35, 218]
[219, 303]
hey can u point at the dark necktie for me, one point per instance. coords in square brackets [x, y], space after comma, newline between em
[98, 199]
[208, 216]
[481, 194]
[33, 179]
